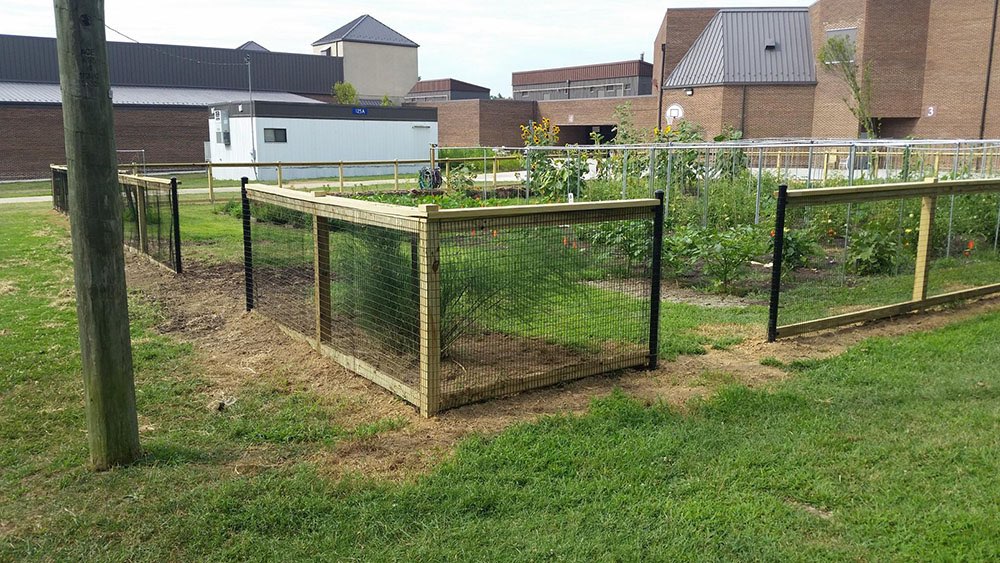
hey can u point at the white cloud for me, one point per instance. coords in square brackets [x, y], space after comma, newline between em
[479, 42]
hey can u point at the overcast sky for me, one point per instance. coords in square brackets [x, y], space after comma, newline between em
[479, 42]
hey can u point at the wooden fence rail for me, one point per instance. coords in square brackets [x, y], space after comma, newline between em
[928, 191]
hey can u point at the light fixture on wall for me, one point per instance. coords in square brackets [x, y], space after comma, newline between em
[689, 91]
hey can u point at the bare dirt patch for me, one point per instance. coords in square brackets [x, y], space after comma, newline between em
[7, 288]
[676, 294]
[205, 307]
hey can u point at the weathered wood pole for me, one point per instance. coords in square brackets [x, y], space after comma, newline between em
[96, 225]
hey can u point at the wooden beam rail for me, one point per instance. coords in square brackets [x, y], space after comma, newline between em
[885, 312]
[926, 188]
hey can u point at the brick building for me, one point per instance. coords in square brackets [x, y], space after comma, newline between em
[606, 80]
[445, 89]
[933, 62]
[161, 95]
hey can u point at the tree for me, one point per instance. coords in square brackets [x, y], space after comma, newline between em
[95, 209]
[345, 93]
[386, 101]
[839, 56]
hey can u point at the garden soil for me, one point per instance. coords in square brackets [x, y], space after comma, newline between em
[236, 350]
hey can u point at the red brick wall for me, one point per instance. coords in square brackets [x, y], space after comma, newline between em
[955, 80]
[458, 122]
[705, 107]
[679, 30]
[779, 111]
[598, 111]
[488, 123]
[33, 136]
[500, 122]
[896, 48]
[831, 117]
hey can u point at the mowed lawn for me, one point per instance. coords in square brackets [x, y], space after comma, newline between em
[890, 451]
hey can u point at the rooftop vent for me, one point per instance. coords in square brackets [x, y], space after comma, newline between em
[770, 44]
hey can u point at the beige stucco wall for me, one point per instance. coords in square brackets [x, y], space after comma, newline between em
[378, 70]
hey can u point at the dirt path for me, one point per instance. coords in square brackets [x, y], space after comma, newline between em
[205, 308]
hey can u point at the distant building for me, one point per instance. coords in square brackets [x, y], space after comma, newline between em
[253, 46]
[934, 64]
[304, 132]
[160, 94]
[445, 89]
[607, 80]
[378, 61]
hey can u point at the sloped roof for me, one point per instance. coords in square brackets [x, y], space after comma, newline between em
[35, 93]
[445, 85]
[366, 29]
[621, 69]
[253, 46]
[734, 49]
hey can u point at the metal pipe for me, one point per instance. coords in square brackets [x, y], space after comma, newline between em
[779, 248]
[176, 224]
[247, 244]
[760, 175]
[654, 288]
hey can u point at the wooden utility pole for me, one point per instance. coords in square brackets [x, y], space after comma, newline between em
[96, 224]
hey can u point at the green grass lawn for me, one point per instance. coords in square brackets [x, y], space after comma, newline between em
[890, 451]
[25, 189]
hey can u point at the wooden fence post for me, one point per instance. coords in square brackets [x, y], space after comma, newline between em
[340, 172]
[95, 209]
[430, 313]
[923, 265]
[324, 309]
[494, 171]
[279, 175]
[211, 191]
[395, 174]
[447, 173]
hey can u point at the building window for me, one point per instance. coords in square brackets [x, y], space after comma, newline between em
[610, 87]
[850, 34]
[628, 86]
[275, 136]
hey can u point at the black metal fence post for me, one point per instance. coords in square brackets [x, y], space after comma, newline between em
[654, 288]
[247, 244]
[175, 211]
[779, 248]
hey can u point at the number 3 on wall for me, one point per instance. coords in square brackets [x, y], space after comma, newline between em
[931, 110]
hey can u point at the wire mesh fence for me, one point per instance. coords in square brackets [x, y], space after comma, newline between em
[848, 255]
[447, 307]
[60, 189]
[151, 218]
[534, 300]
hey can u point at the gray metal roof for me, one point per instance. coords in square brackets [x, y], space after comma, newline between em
[34, 93]
[733, 49]
[366, 29]
[253, 46]
[34, 59]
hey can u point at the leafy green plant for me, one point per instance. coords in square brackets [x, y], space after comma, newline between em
[799, 248]
[872, 253]
[460, 178]
[345, 93]
[725, 255]
[679, 251]
[730, 163]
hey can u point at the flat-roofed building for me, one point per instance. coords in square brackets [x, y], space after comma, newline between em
[605, 80]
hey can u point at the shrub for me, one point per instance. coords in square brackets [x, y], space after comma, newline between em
[345, 93]
[872, 253]
[725, 255]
